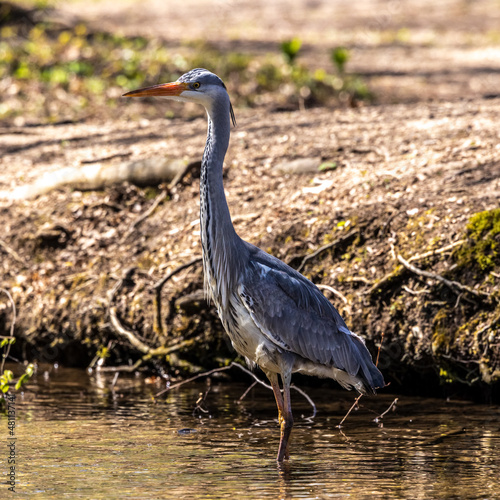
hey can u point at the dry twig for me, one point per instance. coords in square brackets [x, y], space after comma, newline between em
[391, 406]
[356, 401]
[236, 365]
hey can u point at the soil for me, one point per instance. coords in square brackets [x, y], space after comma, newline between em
[403, 177]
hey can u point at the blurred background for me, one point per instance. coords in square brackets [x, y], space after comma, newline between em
[71, 60]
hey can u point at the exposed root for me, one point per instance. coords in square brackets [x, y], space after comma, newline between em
[126, 333]
[334, 291]
[387, 280]
[320, 250]
[436, 251]
[455, 286]
[158, 200]
[157, 287]
[131, 336]
[400, 272]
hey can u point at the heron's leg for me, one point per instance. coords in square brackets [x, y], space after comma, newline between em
[273, 378]
[287, 422]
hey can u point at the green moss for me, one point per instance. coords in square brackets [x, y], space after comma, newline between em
[482, 250]
[484, 222]
[441, 338]
[446, 376]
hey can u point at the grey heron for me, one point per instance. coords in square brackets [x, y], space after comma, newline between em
[275, 317]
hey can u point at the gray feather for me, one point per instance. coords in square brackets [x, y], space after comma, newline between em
[293, 312]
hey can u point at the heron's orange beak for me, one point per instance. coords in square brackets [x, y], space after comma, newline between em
[162, 90]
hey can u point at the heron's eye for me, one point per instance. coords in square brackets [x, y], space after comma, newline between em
[196, 85]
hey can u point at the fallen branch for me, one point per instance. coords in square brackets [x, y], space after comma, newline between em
[157, 287]
[249, 388]
[356, 401]
[322, 249]
[147, 172]
[162, 196]
[187, 381]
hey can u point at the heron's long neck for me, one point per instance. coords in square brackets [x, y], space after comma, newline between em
[223, 250]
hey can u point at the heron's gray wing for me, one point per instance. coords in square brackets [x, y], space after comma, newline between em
[296, 316]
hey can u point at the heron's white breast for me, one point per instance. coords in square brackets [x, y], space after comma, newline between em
[248, 339]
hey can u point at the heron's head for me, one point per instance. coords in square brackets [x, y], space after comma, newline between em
[198, 85]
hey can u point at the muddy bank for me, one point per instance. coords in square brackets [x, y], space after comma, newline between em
[400, 220]
[391, 225]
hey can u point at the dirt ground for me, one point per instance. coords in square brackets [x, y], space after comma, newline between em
[405, 178]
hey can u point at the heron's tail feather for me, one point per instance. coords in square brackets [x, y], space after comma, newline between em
[370, 375]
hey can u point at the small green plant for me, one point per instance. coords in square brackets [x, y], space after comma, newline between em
[28, 373]
[327, 165]
[7, 376]
[5, 380]
[290, 49]
[340, 56]
[72, 73]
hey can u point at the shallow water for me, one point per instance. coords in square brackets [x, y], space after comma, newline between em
[76, 437]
